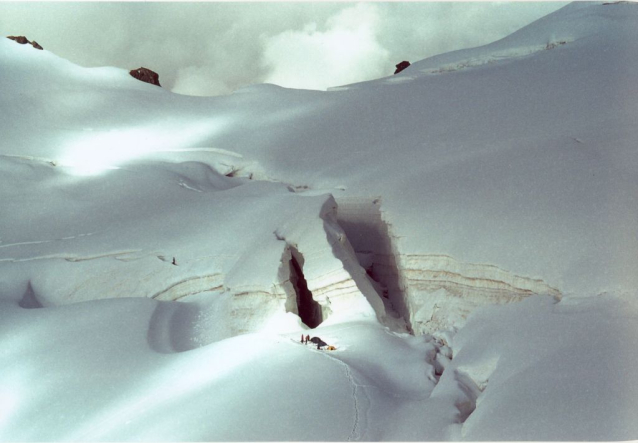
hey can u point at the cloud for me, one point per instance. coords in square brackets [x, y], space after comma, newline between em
[346, 52]
[211, 48]
[201, 81]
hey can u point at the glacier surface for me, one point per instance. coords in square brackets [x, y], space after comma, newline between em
[463, 233]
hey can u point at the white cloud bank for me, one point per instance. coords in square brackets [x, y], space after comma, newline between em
[347, 51]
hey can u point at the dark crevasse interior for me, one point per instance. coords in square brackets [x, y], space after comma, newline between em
[309, 310]
[370, 237]
[30, 299]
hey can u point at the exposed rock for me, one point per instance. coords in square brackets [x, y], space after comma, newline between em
[23, 41]
[146, 75]
[20, 39]
[401, 66]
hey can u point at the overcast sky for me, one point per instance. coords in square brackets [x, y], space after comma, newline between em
[215, 48]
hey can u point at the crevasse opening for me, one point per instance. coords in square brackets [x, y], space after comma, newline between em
[308, 309]
[370, 237]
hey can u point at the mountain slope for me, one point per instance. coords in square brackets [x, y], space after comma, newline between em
[519, 154]
[410, 204]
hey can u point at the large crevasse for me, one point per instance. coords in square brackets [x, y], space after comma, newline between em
[430, 291]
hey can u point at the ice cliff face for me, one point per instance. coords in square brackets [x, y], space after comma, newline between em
[442, 291]
[431, 292]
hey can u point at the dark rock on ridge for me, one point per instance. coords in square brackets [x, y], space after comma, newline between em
[23, 41]
[401, 66]
[20, 39]
[146, 75]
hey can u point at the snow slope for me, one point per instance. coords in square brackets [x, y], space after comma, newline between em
[499, 174]
[566, 366]
[523, 161]
[116, 382]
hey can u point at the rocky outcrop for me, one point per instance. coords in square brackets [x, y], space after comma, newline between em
[401, 66]
[19, 39]
[146, 75]
[23, 41]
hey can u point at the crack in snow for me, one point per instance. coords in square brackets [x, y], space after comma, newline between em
[119, 255]
[39, 242]
[191, 286]
[466, 405]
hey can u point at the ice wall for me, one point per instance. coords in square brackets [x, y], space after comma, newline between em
[430, 291]
[330, 269]
[442, 291]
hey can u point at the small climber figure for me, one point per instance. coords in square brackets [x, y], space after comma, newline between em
[302, 339]
[307, 339]
[174, 262]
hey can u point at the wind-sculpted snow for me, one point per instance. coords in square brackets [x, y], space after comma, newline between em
[552, 363]
[122, 379]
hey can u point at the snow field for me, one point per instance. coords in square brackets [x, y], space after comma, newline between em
[551, 370]
[100, 378]
[484, 177]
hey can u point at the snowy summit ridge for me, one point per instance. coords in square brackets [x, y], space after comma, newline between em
[161, 255]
